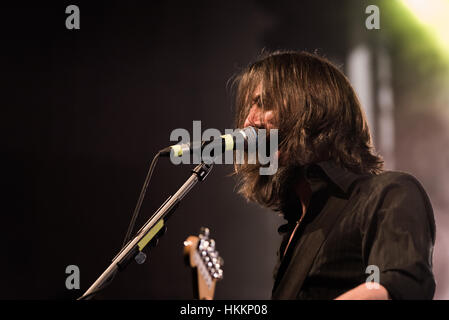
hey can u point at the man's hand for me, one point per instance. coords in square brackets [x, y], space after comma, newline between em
[362, 292]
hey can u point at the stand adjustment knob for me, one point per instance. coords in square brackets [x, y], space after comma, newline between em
[140, 257]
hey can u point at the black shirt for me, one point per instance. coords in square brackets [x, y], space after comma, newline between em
[355, 222]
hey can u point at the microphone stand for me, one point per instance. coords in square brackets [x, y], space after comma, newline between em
[153, 227]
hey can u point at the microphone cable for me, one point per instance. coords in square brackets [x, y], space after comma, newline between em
[130, 227]
[141, 198]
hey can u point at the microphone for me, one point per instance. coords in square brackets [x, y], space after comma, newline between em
[227, 142]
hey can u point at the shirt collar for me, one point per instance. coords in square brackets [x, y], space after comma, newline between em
[338, 175]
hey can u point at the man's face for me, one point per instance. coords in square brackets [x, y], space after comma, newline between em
[257, 117]
[281, 184]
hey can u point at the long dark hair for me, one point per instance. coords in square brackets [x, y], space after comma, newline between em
[318, 115]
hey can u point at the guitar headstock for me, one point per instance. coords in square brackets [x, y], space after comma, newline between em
[202, 256]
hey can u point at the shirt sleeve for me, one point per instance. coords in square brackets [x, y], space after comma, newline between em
[399, 239]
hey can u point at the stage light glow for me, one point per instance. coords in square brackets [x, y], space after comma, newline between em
[434, 16]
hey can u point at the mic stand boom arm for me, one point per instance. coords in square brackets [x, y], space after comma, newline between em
[133, 249]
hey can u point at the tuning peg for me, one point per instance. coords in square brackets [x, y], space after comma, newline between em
[212, 243]
[218, 274]
[204, 245]
[220, 261]
[205, 231]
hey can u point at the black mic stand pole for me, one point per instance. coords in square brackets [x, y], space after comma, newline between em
[149, 230]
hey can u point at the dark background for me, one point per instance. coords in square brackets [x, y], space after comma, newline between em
[84, 111]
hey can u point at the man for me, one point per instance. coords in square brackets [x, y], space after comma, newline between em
[348, 221]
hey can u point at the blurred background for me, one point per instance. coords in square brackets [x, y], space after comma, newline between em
[84, 111]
